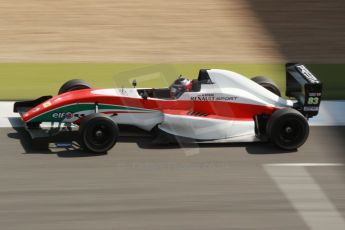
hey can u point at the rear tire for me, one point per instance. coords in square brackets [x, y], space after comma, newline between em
[268, 84]
[98, 133]
[72, 85]
[288, 129]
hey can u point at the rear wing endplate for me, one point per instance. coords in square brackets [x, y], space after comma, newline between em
[305, 87]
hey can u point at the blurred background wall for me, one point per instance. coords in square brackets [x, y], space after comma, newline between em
[151, 31]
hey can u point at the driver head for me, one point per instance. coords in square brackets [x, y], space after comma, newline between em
[180, 86]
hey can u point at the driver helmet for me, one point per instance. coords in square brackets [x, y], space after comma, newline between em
[180, 86]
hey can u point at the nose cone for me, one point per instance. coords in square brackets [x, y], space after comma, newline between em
[44, 107]
[46, 110]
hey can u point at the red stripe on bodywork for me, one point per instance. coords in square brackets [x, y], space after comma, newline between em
[214, 109]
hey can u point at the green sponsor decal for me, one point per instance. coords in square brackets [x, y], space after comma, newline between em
[69, 111]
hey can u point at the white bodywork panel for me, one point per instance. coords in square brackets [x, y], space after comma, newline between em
[226, 86]
[208, 130]
[145, 121]
[124, 92]
[231, 86]
[196, 127]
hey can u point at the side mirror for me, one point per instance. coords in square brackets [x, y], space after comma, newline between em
[134, 83]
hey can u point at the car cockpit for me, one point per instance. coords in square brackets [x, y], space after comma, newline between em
[177, 88]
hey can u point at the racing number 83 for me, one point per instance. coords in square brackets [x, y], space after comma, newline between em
[313, 101]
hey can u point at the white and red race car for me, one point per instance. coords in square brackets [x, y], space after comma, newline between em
[218, 106]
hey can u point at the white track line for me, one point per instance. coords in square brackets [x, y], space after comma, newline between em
[7, 117]
[306, 196]
[305, 164]
[331, 113]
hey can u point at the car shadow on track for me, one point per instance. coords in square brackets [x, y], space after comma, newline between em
[251, 148]
[30, 148]
[143, 142]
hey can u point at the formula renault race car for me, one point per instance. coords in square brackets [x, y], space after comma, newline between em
[218, 106]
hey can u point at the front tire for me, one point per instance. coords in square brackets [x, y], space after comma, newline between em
[288, 129]
[73, 85]
[98, 133]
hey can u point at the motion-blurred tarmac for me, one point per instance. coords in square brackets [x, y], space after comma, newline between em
[140, 186]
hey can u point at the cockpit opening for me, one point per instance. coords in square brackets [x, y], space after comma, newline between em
[181, 85]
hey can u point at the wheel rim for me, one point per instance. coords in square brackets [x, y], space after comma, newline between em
[99, 136]
[291, 131]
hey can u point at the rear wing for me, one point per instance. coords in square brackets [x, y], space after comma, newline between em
[305, 87]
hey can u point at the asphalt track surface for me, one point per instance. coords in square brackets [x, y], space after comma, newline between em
[143, 186]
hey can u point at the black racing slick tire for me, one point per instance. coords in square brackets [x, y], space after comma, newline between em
[268, 84]
[98, 133]
[72, 85]
[288, 129]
